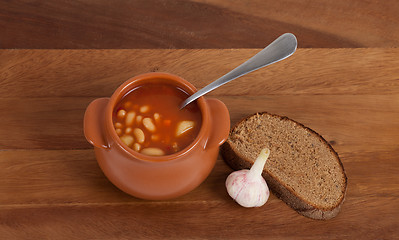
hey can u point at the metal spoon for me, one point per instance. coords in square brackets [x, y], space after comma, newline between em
[281, 48]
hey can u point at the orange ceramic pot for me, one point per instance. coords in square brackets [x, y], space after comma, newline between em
[150, 177]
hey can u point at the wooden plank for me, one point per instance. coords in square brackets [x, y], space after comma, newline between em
[40, 177]
[360, 219]
[43, 123]
[348, 121]
[84, 73]
[192, 24]
[46, 193]
[358, 22]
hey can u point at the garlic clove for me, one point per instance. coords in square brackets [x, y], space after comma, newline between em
[247, 187]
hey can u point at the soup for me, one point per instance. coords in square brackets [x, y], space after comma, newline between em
[149, 121]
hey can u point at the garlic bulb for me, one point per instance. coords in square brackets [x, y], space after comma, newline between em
[247, 187]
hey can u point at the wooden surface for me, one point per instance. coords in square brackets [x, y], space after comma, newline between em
[52, 188]
[150, 24]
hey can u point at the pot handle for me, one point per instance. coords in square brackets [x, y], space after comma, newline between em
[220, 126]
[93, 123]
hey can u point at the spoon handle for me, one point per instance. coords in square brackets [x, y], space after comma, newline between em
[281, 48]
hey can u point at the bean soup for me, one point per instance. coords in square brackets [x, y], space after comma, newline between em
[149, 121]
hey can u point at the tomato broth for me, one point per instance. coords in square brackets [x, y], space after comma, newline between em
[148, 119]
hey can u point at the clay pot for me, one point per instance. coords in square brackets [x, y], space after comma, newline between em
[150, 177]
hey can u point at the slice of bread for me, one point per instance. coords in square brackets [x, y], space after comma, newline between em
[303, 169]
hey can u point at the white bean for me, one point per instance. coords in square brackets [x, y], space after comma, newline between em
[128, 130]
[183, 127]
[136, 147]
[144, 109]
[138, 119]
[148, 123]
[130, 118]
[157, 117]
[139, 134]
[127, 139]
[118, 125]
[153, 151]
[121, 113]
[118, 131]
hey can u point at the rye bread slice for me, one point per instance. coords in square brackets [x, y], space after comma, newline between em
[303, 170]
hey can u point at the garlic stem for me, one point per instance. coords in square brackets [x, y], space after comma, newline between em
[257, 168]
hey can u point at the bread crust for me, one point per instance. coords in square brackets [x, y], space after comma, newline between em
[236, 161]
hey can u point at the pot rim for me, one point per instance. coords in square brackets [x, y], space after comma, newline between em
[139, 80]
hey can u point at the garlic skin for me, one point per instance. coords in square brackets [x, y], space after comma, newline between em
[247, 187]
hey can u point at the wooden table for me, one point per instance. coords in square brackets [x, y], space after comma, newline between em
[52, 188]
[183, 24]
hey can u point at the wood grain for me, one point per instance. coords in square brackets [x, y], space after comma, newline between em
[79, 197]
[186, 220]
[345, 120]
[52, 188]
[57, 85]
[29, 179]
[96, 73]
[196, 24]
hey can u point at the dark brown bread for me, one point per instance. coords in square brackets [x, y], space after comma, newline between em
[303, 169]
